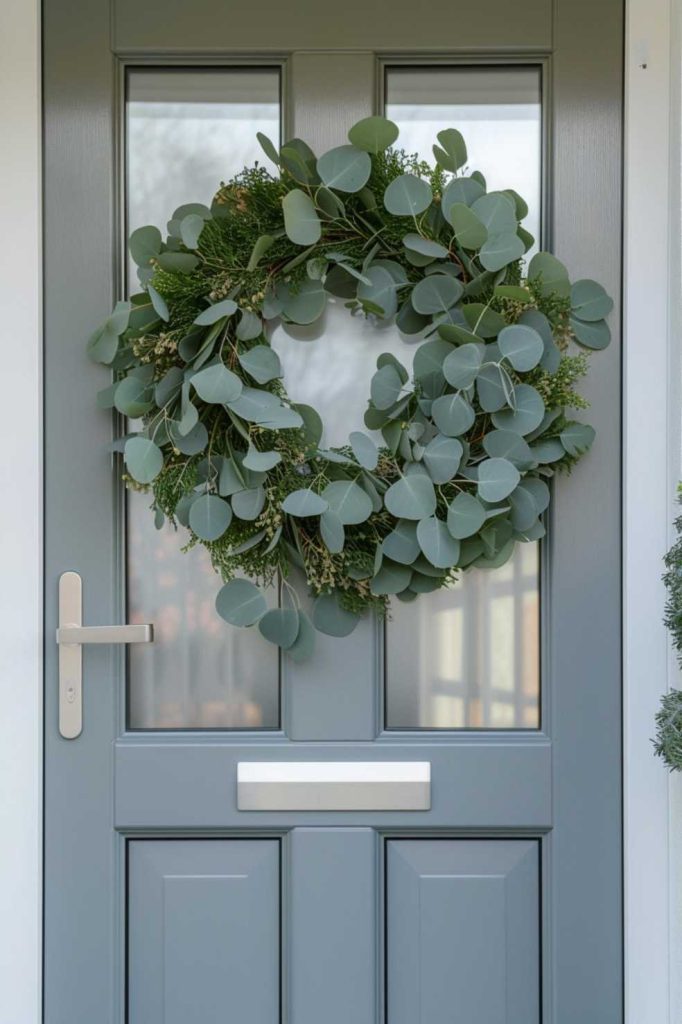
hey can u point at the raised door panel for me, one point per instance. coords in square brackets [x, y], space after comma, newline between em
[463, 941]
[204, 931]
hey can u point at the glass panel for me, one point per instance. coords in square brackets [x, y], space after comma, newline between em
[199, 673]
[468, 657]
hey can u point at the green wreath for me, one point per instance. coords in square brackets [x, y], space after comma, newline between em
[467, 446]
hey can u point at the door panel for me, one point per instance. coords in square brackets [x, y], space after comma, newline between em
[130, 801]
[190, 955]
[332, 925]
[463, 931]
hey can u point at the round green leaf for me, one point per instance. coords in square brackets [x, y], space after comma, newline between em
[191, 227]
[364, 449]
[552, 274]
[452, 414]
[250, 326]
[424, 246]
[442, 458]
[437, 543]
[577, 438]
[304, 502]
[494, 387]
[548, 451]
[373, 134]
[307, 304]
[460, 190]
[500, 250]
[301, 222]
[178, 262]
[496, 211]
[451, 154]
[540, 491]
[462, 365]
[133, 396]
[280, 626]
[436, 293]
[209, 517]
[216, 312]
[589, 300]
[470, 231]
[385, 387]
[159, 303]
[348, 500]
[411, 497]
[145, 245]
[466, 516]
[401, 544]
[191, 443]
[240, 603]
[593, 334]
[332, 531]
[248, 504]
[523, 510]
[345, 168]
[527, 414]
[217, 385]
[268, 148]
[507, 444]
[261, 462]
[407, 195]
[497, 478]
[391, 578]
[380, 292]
[262, 363]
[429, 358]
[143, 459]
[330, 618]
[521, 345]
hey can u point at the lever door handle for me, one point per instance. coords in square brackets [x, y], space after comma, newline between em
[71, 635]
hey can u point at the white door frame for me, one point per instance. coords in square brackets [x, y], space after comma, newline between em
[652, 466]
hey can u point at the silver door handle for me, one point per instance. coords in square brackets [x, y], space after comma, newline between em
[71, 635]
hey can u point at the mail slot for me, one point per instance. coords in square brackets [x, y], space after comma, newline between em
[334, 785]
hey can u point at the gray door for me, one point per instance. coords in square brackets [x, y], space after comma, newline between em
[173, 893]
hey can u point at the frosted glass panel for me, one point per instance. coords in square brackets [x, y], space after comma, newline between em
[497, 110]
[188, 130]
[468, 657]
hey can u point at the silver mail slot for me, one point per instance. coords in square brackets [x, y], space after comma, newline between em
[334, 785]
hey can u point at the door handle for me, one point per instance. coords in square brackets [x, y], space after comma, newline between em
[71, 635]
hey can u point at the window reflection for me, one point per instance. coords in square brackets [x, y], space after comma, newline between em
[199, 673]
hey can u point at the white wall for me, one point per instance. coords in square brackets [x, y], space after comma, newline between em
[20, 516]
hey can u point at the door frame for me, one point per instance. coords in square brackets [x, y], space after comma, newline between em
[651, 371]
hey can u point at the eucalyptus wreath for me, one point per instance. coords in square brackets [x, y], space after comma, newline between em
[668, 742]
[465, 444]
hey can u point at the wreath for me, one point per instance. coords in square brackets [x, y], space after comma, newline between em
[466, 443]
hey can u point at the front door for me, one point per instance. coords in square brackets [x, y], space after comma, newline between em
[422, 823]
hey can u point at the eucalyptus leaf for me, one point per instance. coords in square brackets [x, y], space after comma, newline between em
[577, 438]
[301, 221]
[470, 231]
[209, 517]
[493, 387]
[241, 603]
[218, 311]
[268, 148]
[424, 246]
[248, 504]
[442, 458]
[466, 516]
[262, 363]
[462, 365]
[401, 544]
[507, 444]
[217, 385]
[499, 250]
[411, 497]
[191, 227]
[145, 245]
[307, 304]
[549, 274]
[392, 578]
[143, 459]
[437, 543]
[381, 291]
[304, 502]
[497, 478]
[452, 414]
[436, 293]
[407, 196]
[332, 531]
[451, 154]
[521, 345]
[261, 461]
[345, 168]
[259, 250]
[496, 211]
[348, 500]
[280, 626]
[373, 134]
[330, 618]
[304, 644]
[159, 303]
[589, 300]
[178, 262]
[385, 387]
[133, 397]
[527, 413]
[594, 334]
[364, 449]
[460, 190]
